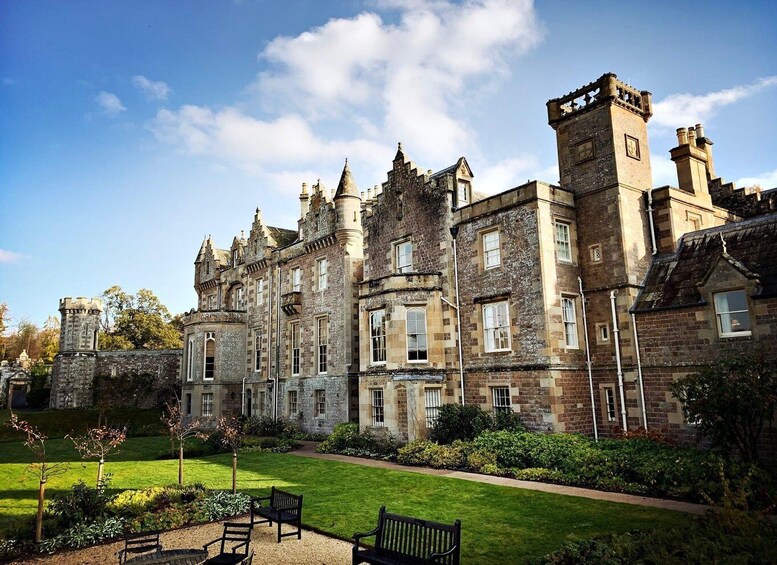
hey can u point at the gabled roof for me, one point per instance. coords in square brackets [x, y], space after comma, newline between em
[282, 236]
[750, 247]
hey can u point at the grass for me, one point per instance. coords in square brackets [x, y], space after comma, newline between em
[499, 524]
[58, 423]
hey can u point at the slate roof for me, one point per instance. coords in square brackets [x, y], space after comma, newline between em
[751, 247]
[282, 236]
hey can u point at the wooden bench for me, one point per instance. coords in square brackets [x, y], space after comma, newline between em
[283, 508]
[403, 539]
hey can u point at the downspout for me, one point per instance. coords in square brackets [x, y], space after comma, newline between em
[277, 342]
[616, 332]
[639, 371]
[650, 221]
[243, 398]
[588, 359]
[454, 233]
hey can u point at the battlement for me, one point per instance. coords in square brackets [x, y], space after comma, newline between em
[81, 303]
[606, 88]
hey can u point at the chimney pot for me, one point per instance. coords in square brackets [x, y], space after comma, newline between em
[682, 136]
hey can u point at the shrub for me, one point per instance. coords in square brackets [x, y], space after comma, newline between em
[222, 504]
[347, 439]
[272, 444]
[80, 504]
[455, 421]
[134, 502]
[265, 426]
[83, 535]
[429, 454]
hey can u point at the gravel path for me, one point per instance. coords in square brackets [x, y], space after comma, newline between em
[313, 548]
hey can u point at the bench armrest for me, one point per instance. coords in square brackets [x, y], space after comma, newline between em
[433, 556]
[358, 536]
[259, 499]
[240, 544]
[211, 543]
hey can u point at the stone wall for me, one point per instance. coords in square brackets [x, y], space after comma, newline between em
[120, 367]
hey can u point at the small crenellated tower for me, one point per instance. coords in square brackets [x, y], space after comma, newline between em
[75, 364]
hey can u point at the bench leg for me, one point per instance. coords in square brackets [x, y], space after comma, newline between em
[279, 532]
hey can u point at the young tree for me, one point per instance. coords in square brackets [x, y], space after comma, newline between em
[232, 435]
[181, 431]
[732, 399]
[137, 321]
[98, 442]
[43, 469]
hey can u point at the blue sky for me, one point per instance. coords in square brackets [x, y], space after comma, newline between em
[129, 130]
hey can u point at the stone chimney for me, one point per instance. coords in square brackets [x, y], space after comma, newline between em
[304, 201]
[691, 162]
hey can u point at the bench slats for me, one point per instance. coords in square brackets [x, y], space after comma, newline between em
[283, 508]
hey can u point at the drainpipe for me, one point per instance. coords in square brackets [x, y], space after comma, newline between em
[454, 233]
[639, 371]
[588, 359]
[277, 342]
[616, 332]
[650, 221]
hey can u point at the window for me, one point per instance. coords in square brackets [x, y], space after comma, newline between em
[212, 302]
[731, 311]
[322, 267]
[190, 359]
[210, 355]
[432, 400]
[260, 402]
[234, 258]
[563, 247]
[207, 405]
[294, 330]
[238, 299]
[602, 333]
[248, 405]
[596, 253]
[293, 406]
[322, 339]
[257, 350]
[378, 337]
[403, 256]
[320, 403]
[491, 254]
[609, 403]
[462, 193]
[378, 419]
[496, 326]
[260, 292]
[570, 322]
[296, 279]
[500, 399]
[416, 335]
[188, 403]
[693, 221]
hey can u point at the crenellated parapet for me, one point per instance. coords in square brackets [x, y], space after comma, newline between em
[81, 304]
[606, 88]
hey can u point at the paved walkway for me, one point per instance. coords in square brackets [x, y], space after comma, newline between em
[308, 450]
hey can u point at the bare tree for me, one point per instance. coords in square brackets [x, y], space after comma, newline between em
[232, 435]
[98, 442]
[181, 431]
[36, 442]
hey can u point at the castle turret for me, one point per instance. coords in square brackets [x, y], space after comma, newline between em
[74, 365]
[348, 207]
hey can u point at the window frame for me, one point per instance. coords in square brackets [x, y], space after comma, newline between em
[260, 292]
[567, 323]
[610, 403]
[190, 359]
[294, 342]
[210, 337]
[379, 339]
[257, 350]
[417, 349]
[403, 267]
[322, 349]
[296, 279]
[561, 244]
[432, 411]
[490, 252]
[487, 329]
[322, 277]
[464, 188]
[377, 408]
[208, 405]
[719, 314]
[188, 403]
[292, 399]
[501, 399]
[319, 401]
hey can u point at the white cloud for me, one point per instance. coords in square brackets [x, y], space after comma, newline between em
[110, 103]
[505, 174]
[765, 180]
[153, 90]
[664, 170]
[683, 110]
[9, 256]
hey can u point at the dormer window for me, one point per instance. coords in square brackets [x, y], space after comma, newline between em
[732, 313]
[463, 193]
[235, 255]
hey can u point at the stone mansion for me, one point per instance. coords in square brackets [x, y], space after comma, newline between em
[574, 304]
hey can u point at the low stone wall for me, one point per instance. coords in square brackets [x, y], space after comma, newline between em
[136, 378]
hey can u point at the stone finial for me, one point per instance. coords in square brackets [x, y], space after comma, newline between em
[723, 242]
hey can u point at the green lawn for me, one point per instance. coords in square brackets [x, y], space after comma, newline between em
[499, 524]
[58, 423]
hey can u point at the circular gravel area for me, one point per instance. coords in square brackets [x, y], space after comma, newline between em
[313, 548]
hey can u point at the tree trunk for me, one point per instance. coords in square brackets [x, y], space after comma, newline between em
[39, 517]
[180, 465]
[100, 474]
[234, 473]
